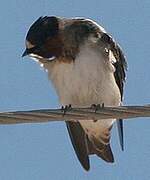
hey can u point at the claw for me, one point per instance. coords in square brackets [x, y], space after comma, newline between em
[66, 108]
[102, 105]
[97, 107]
[93, 106]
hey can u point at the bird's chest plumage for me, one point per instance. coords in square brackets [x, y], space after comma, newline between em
[86, 80]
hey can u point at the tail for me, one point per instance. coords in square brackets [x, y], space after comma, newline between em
[100, 145]
[86, 143]
[101, 150]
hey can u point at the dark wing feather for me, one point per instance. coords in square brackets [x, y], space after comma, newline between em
[79, 142]
[120, 132]
[120, 74]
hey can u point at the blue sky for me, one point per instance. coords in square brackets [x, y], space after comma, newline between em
[44, 151]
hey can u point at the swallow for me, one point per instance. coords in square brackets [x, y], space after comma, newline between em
[86, 66]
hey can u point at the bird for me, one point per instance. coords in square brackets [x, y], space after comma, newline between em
[86, 66]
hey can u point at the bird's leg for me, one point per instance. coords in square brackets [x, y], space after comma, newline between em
[66, 108]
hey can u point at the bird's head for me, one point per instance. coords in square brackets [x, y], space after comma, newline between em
[43, 40]
[53, 37]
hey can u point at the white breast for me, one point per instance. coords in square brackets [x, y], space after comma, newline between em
[88, 80]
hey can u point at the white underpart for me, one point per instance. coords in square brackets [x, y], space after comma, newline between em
[86, 81]
[40, 59]
[36, 57]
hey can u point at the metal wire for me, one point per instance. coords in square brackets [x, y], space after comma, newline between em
[72, 114]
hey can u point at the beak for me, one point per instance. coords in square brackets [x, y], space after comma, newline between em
[25, 53]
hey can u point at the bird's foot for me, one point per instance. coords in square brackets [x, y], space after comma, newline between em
[66, 108]
[97, 107]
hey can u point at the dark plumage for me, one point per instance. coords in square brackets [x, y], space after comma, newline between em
[42, 29]
[121, 67]
[42, 35]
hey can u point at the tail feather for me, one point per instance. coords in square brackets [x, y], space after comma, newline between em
[79, 142]
[87, 142]
[99, 139]
[120, 133]
[102, 150]
[106, 154]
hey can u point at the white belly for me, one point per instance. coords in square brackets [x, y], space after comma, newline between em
[88, 80]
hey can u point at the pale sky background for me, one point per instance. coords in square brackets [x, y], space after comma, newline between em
[44, 151]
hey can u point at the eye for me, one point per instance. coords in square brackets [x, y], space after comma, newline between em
[32, 50]
[106, 38]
